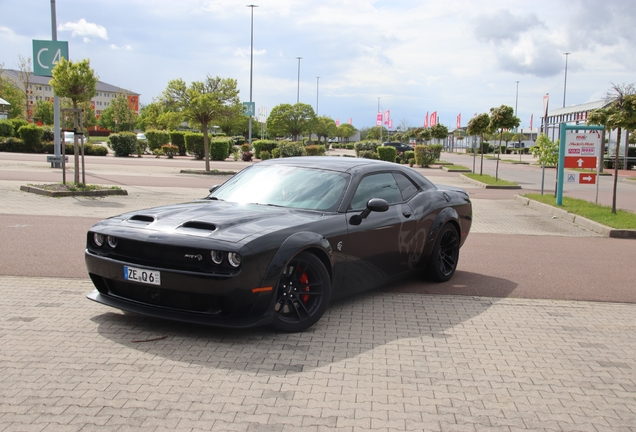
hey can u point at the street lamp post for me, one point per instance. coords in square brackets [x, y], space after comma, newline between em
[317, 87]
[298, 92]
[565, 80]
[251, 68]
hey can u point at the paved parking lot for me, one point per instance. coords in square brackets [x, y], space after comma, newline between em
[381, 361]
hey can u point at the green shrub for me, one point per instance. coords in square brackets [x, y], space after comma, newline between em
[387, 153]
[361, 146]
[220, 148]
[276, 153]
[263, 145]
[265, 155]
[89, 149]
[6, 128]
[424, 155]
[17, 124]
[123, 144]
[157, 138]
[437, 150]
[194, 144]
[170, 150]
[315, 150]
[412, 161]
[245, 148]
[409, 154]
[238, 140]
[48, 135]
[368, 154]
[12, 145]
[291, 148]
[177, 138]
[32, 136]
[349, 146]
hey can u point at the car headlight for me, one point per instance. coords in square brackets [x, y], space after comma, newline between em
[112, 241]
[217, 257]
[98, 239]
[234, 259]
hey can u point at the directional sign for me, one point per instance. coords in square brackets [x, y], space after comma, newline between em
[580, 162]
[249, 108]
[46, 54]
[585, 178]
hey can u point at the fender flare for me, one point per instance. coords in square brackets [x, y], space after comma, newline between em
[446, 215]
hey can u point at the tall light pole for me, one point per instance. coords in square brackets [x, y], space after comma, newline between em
[565, 81]
[516, 100]
[251, 68]
[317, 87]
[298, 93]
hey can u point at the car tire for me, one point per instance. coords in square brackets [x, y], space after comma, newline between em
[302, 294]
[443, 260]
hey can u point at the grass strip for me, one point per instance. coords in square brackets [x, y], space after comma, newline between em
[490, 180]
[597, 213]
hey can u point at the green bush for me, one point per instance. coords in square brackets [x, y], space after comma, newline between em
[177, 138]
[368, 154]
[220, 148]
[157, 138]
[265, 155]
[315, 150]
[387, 153]
[291, 148]
[437, 150]
[17, 124]
[194, 144]
[32, 136]
[361, 146]
[123, 144]
[238, 140]
[276, 153]
[409, 154]
[424, 155]
[6, 128]
[48, 135]
[89, 149]
[263, 145]
[12, 145]
[170, 150]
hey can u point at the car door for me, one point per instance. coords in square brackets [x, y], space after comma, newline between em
[375, 248]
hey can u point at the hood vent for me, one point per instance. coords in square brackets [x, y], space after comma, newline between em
[205, 226]
[142, 218]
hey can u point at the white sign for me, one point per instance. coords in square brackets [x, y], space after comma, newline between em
[585, 143]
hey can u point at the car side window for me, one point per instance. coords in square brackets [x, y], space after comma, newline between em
[381, 185]
[406, 186]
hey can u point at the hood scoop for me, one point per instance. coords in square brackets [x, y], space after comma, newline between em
[142, 218]
[198, 225]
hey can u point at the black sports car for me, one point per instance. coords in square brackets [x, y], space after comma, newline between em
[276, 242]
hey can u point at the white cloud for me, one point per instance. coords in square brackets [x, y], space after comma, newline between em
[85, 29]
[123, 47]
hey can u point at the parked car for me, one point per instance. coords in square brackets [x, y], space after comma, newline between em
[401, 148]
[279, 240]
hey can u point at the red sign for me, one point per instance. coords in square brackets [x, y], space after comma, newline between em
[585, 178]
[580, 162]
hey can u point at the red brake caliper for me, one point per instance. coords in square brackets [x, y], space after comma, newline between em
[304, 279]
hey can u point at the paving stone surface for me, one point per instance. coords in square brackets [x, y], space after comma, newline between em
[379, 361]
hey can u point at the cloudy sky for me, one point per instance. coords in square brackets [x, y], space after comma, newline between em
[413, 56]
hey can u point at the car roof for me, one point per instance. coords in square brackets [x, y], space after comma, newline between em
[334, 163]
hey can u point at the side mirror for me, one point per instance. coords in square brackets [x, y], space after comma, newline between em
[374, 205]
[213, 188]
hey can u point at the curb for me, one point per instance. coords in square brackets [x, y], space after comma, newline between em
[456, 170]
[230, 173]
[578, 220]
[486, 186]
[57, 194]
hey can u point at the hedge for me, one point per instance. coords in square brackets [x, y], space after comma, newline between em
[220, 148]
[123, 144]
[263, 145]
[387, 153]
[194, 144]
[31, 135]
[17, 124]
[177, 138]
[16, 145]
[157, 138]
[361, 146]
[315, 150]
[424, 155]
[291, 148]
[6, 128]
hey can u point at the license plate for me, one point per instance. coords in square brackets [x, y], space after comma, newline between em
[151, 277]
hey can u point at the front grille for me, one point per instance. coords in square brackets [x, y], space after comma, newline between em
[180, 300]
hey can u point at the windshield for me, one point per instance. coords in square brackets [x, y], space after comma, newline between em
[285, 186]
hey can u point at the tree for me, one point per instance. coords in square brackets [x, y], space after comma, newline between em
[508, 136]
[439, 131]
[376, 132]
[546, 151]
[43, 112]
[478, 126]
[502, 118]
[123, 116]
[289, 119]
[78, 82]
[344, 131]
[148, 116]
[425, 134]
[24, 76]
[619, 114]
[13, 95]
[204, 103]
[325, 128]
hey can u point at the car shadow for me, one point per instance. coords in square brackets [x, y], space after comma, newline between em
[350, 328]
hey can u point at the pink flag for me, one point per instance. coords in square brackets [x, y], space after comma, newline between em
[378, 121]
[350, 121]
[426, 120]
[459, 120]
[390, 124]
[338, 122]
[433, 118]
[387, 117]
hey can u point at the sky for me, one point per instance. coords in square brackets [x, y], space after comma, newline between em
[411, 57]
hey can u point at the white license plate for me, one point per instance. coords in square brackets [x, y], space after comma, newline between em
[151, 277]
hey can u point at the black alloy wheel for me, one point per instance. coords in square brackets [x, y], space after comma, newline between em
[445, 256]
[302, 294]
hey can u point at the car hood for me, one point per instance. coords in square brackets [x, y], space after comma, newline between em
[224, 221]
